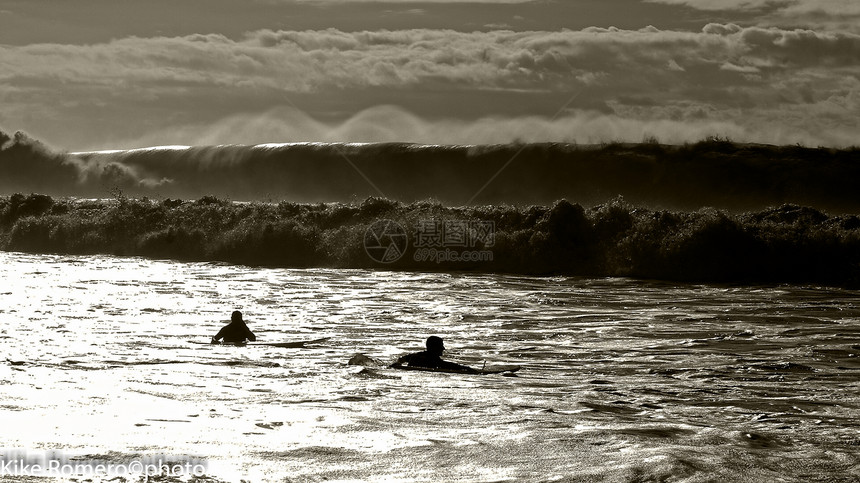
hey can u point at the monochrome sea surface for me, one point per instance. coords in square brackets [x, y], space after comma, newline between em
[621, 379]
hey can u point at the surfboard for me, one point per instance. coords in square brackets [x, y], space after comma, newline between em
[500, 369]
[360, 359]
[282, 345]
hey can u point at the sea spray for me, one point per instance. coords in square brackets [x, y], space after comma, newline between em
[789, 243]
[713, 172]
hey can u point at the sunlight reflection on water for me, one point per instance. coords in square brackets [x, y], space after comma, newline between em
[621, 379]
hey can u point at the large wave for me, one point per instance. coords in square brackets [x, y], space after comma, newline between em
[784, 244]
[714, 173]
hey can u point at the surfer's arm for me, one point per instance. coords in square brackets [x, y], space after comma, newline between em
[400, 361]
[217, 338]
[249, 335]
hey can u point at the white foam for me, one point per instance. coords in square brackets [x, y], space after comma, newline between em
[135, 150]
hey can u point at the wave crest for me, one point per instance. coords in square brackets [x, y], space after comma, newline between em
[789, 243]
[713, 172]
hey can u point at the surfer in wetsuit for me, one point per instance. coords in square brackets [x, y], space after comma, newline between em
[432, 358]
[235, 332]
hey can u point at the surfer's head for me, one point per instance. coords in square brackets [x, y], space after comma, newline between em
[236, 317]
[435, 345]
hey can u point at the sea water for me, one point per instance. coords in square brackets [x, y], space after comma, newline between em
[621, 379]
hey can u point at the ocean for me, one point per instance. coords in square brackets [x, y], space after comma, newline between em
[622, 380]
[679, 313]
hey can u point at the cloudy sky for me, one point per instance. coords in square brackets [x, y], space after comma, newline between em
[99, 74]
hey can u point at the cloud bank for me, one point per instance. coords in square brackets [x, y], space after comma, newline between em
[759, 84]
[820, 14]
[823, 7]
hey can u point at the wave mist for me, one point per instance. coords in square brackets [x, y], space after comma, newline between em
[714, 172]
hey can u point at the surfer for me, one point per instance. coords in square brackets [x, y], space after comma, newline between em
[432, 358]
[236, 332]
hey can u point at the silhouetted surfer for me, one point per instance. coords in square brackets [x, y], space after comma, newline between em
[235, 332]
[432, 358]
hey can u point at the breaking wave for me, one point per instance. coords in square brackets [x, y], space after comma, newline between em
[789, 243]
[713, 172]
